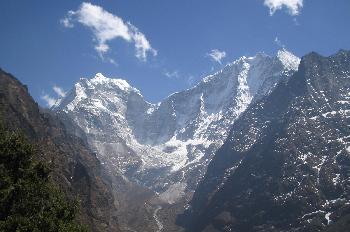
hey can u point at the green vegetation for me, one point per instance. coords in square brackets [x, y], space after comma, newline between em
[28, 199]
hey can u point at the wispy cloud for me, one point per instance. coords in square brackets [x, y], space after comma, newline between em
[49, 100]
[293, 6]
[189, 79]
[278, 42]
[171, 74]
[217, 55]
[142, 45]
[66, 21]
[59, 91]
[107, 27]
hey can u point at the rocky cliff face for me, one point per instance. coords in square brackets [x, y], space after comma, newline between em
[75, 169]
[285, 164]
[167, 146]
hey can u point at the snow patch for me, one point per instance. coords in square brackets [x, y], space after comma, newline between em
[336, 179]
[289, 61]
[326, 216]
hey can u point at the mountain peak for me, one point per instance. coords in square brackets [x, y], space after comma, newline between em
[99, 86]
[342, 54]
[288, 59]
[100, 79]
[160, 135]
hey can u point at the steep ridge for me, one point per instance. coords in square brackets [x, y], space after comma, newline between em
[167, 146]
[75, 169]
[285, 164]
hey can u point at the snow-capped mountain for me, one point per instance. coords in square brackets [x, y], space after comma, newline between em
[285, 165]
[167, 146]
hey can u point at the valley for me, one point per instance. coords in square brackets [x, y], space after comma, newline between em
[229, 154]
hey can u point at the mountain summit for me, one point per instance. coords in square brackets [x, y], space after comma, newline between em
[161, 145]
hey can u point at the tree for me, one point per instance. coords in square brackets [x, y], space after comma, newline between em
[28, 199]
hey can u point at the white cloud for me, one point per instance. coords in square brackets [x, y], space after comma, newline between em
[106, 27]
[50, 101]
[293, 6]
[296, 22]
[59, 91]
[112, 61]
[278, 42]
[217, 55]
[142, 45]
[66, 23]
[173, 74]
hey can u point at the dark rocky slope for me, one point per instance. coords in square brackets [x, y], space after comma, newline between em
[286, 163]
[75, 169]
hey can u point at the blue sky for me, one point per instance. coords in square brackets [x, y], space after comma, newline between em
[158, 46]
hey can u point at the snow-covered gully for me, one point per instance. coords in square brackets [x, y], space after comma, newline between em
[155, 216]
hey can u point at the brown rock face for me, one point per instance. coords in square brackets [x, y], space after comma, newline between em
[75, 169]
